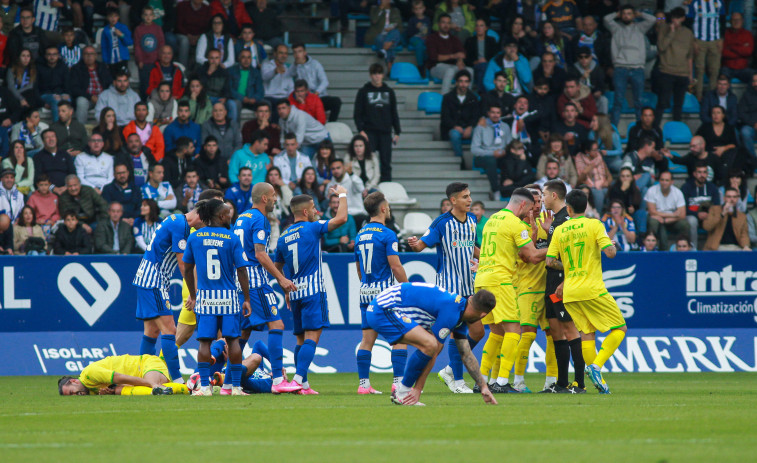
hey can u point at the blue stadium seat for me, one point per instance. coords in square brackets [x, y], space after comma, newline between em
[624, 140]
[610, 95]
[431, 102]
[676, 132]
[649, 99]
[407, 73]
[690, 104]
[492, 33]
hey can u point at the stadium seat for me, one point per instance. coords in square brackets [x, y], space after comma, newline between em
[407, 73]
[610, 95]
[690, 104]
[340, 132]
[624, 140]
[416, 223]
[431, 102]
[649, 99]
[676, 132]
[492, 33]
[396, 194]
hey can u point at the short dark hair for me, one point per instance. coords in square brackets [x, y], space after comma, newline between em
[646, 141]
[299, 83]
[70, 213]
[454, 188]
[541, 81]
[65, 379]
[572, 78]
[462, 73]
[121, 72]
[483, 301]
[373, 202]
[283, 101]
[298, 201]
[335, 161]
[478, 203]
[191, 169]
[65, 103]
[183, 143]
[259, 135]
[138, 104]
[290, 136]
[522, 193]
[443, 15]
[577, 200]
[210, 194]
[500, 74]
[677, 12]
[244, 168]
[700, 163]
[626, 6]
[180, 104]
[299, 45]
[556, 186]
[376, 68]
[42, 178]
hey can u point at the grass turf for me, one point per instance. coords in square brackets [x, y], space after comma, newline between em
[648, 418]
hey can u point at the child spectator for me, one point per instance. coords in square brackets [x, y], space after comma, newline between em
[71, 239]
[415, 35]
[115, 41]
[70, 51]
[148, 40]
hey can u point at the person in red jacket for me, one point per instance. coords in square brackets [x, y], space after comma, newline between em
[166, 71]
[303, 99]
[234, 21]
[738, 46]
[149, 134]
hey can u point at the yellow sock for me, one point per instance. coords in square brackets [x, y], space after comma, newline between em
[495, 367]
[551, 359]
[509, 351]
[609, 346]
[524, 347]
[491, 350]
[589, 349]
[178, 388]
[136, 390]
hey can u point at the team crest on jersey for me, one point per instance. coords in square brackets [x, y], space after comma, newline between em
[274, 310]
[183, 244]
[524, 234]
[406, 320]
[443, 333]
[261, 234]
[168, 305]
[395, 247]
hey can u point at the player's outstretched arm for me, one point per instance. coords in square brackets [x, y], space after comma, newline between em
[471, 364]
[189, 278]
[397, 269]
[530, 255]
[416, 244]
[265, 260]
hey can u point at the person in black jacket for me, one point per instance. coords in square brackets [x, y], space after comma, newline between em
[646, 127]
[515, 170]
[52, 75]
[176, 161]
[477, 56]
[83, 89]
[209, 164]
[54, 162]
[376, 115]
[10, 108]
[122, 190]
[71, 239]
[459, 117]
[26, 35]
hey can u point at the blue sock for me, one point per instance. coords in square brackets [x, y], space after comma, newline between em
[236, 374]
[415, 365]
[148, 345]
[296, 353]
[170, 354]
[399, 360]
[363, 363]
[258, 386]
[305, 358]
[275, 341]
[261, 349]
[204, 369]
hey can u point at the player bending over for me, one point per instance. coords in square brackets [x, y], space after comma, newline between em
[423, 315]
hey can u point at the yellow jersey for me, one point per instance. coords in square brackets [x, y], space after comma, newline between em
[100, 374]
[532, 278]
[504, 234]
[579, 243]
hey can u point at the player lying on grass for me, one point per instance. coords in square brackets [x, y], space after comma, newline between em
[423, 316]
[122, 375]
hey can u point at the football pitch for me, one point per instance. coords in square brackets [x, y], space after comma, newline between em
[648, 418]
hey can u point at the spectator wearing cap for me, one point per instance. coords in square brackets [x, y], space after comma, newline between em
[480, 48]
[675, 45]
[460, 112]
[446, 54]
[590, 75]
[517, 70]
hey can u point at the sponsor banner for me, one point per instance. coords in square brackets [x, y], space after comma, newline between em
[644, 350]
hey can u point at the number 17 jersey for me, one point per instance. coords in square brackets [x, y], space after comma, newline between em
[374, 244]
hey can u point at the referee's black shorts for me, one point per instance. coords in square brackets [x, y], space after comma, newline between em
[554, 309]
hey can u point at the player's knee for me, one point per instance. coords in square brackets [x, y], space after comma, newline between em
[528, 329]
[623, 328]
[429, 346]
[274, 325]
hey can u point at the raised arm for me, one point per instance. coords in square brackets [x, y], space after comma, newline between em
[341, 213]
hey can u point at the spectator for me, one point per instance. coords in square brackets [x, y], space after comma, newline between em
[516, 29]
[650, 243]
[178, 161]
[304, 100]
[552, 172]
[595, 40]
[251, 155]
[215, 79]
[354, 186]
[122, 190]
[667, 210]
[87, 81]
[322, 162]
[182, 126]
[277, 76]
[498, 96]
[165, 70]
[217, 38]
[86, 203]
[119, 97]
[748, 117]
[262, 121]
[564, 15]
[572, 132]
[608, 140]
[56, 164]
[72, 239]
[28, 237]
[268, 26]
[159, 190]
[10, 111]
[721, 139]
[515, 67]
[624, 189]
[309, 69]
[593, 172]
[460, 112]
[700, 196]
[738, 47]
[629, 55]
[549, 70]
[542, 104]
[675, 44]
[200, 107]
[137, 158]
[69, 50]
[281, 213]
[308, 185]
[146, 224]
[683, 244]
[552, 40]
[309, 132]
[522, 128]
[240, 191]
[477, 208]
[590, 76]
[384, 31]
[245, 81]
[52, 75]
[149, 134]
[727, 229]
[162, 108]
[645, 164]
[591, 207]
[416, 33]
[192, 21]
[707, 16]
[557, 150]
[290, 162]
[646, 127]
[479, 50]
[26, 35]
[375, 116]
[94, 167]
[462, 18]
[581, 98]
[9, 13]
[233, 11]
[115, 42]
[22, 80]
[737, 180]
[445, 206]
[29, 130]
[11, 200]
[211, 166]
[20, 163]
[225, 130]
[114, 236]
[721, 95]
[619, 226]
[446, 55]
[515, 170]
[71, 134]
[190, 190]
[488, 146]
[341, 239]
[246, 41]
[148, 43]
[363, 163]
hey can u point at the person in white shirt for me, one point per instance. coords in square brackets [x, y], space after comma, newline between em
[291, 162]
[354, 186]
[160, 191]
[667, 210]
[94, 166]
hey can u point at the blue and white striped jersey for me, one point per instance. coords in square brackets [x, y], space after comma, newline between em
[373, 244]
[217, 254]
[707, 15]
[46, 16]
[455, 241]
[431, 307]
[71, 56]
[159, 261]
[253, 228]
[299, 248]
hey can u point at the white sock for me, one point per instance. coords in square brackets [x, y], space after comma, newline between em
[277, 381]
[549, 381]
[459, 383]
[501, 381]
[226, 386]
[397, 379]
[298, 379]
[447, 370]
[306, 385]
[486, 379]
[365, 382]
[404, 389]
[519, 379]
[179, 380]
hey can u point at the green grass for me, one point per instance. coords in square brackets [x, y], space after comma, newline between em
[648, 418]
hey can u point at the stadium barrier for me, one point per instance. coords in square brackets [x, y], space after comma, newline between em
[685, 311]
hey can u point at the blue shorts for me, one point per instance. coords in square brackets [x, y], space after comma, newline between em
[310, 313]
[152, 303]
[363, 320]
[264, 304]
[389, 324]
[208, 326]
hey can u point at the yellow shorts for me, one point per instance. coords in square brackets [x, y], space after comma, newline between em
[598, 314]
[150, 363]
[531, 310]
[186, 317]
[506, 309]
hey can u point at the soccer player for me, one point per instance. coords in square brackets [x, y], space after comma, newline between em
[423, 315]
[579, 244]
[454, 233]
[506, 238]
[213, 295]
[254, 232]
[566, 338]
[378, 265]
[122, 375]
[298, 253]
